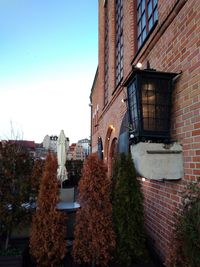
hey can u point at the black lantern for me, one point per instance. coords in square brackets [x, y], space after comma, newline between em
[149, 105]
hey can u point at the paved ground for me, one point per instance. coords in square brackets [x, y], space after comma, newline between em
[69, 263]
[28, 262]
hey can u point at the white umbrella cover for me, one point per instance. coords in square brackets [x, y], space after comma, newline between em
[61, 157]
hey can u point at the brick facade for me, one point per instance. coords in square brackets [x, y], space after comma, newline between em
[172, 46]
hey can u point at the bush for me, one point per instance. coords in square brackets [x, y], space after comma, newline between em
[47, 239]
[185, 246]
[36, 175]
[94, 236]
[191, 234]
[127, 201]
[15, 188]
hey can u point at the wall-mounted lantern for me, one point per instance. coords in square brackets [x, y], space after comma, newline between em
[149, 105]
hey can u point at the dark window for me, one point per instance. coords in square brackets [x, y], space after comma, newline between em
[149, 105]
[155, 103]
[147, 15]
[100, 148]
[106, 55]
[119, 40]
[133, 109]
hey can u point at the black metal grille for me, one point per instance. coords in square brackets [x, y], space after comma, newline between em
[119, 40]
[155, 105]
[133, 109]
[149, 105]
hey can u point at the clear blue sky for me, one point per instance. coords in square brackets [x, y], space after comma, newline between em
[48, 59]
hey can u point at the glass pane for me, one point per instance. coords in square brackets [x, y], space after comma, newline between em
[145, 124]
[132, 104]
[149, 8]
[135, 124]
[151, 111]
[149, 92]
[139, 13]
[155, 2]
[155, 15]
[143, 20]
[150, 23]
[151, 125]
[139, 42]
[145, 111]
[143, 5]
[144, 34]
[161, 125]
[162, 98]
[162, 112]
[139, 29]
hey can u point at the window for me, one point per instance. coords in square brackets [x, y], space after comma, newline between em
[106, 57]
[133, 110]
[100, 148]
[147, 15]
[119, 40]
[149, 105]
[156, 104]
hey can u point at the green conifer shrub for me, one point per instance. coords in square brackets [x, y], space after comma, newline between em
[128, 218]
[184, 249]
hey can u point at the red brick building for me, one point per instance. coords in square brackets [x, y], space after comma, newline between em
[163, 136]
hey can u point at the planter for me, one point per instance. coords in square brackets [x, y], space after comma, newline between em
[11, 261]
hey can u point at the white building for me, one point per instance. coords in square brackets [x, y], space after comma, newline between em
[50, 143]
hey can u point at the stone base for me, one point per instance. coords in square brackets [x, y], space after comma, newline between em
[158, 161]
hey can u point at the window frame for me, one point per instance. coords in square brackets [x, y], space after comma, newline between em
[119, 43]
[106, 53]
[150, 90]
[146, 19]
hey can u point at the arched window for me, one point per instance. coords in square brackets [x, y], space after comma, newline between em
[100, 148]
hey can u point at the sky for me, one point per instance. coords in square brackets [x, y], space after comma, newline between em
[48, 60]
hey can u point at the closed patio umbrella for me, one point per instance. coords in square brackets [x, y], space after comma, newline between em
[61, 157]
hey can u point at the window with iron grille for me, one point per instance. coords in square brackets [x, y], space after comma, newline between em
[147, 15]
[106, 56]
[149, 104]
[133, 109]
[119, 40]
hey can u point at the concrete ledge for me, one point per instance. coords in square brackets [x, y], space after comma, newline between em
[158, 161]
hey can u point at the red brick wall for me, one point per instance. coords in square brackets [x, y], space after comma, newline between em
[176, 50]
[173, 46]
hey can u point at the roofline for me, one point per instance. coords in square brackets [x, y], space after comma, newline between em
[94, 82]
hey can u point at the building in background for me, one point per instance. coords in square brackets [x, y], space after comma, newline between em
[145, 98]
[76, 152]
[85, 143]
[36, 150]
[50, 143]
[40, 151]
[30, 146]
